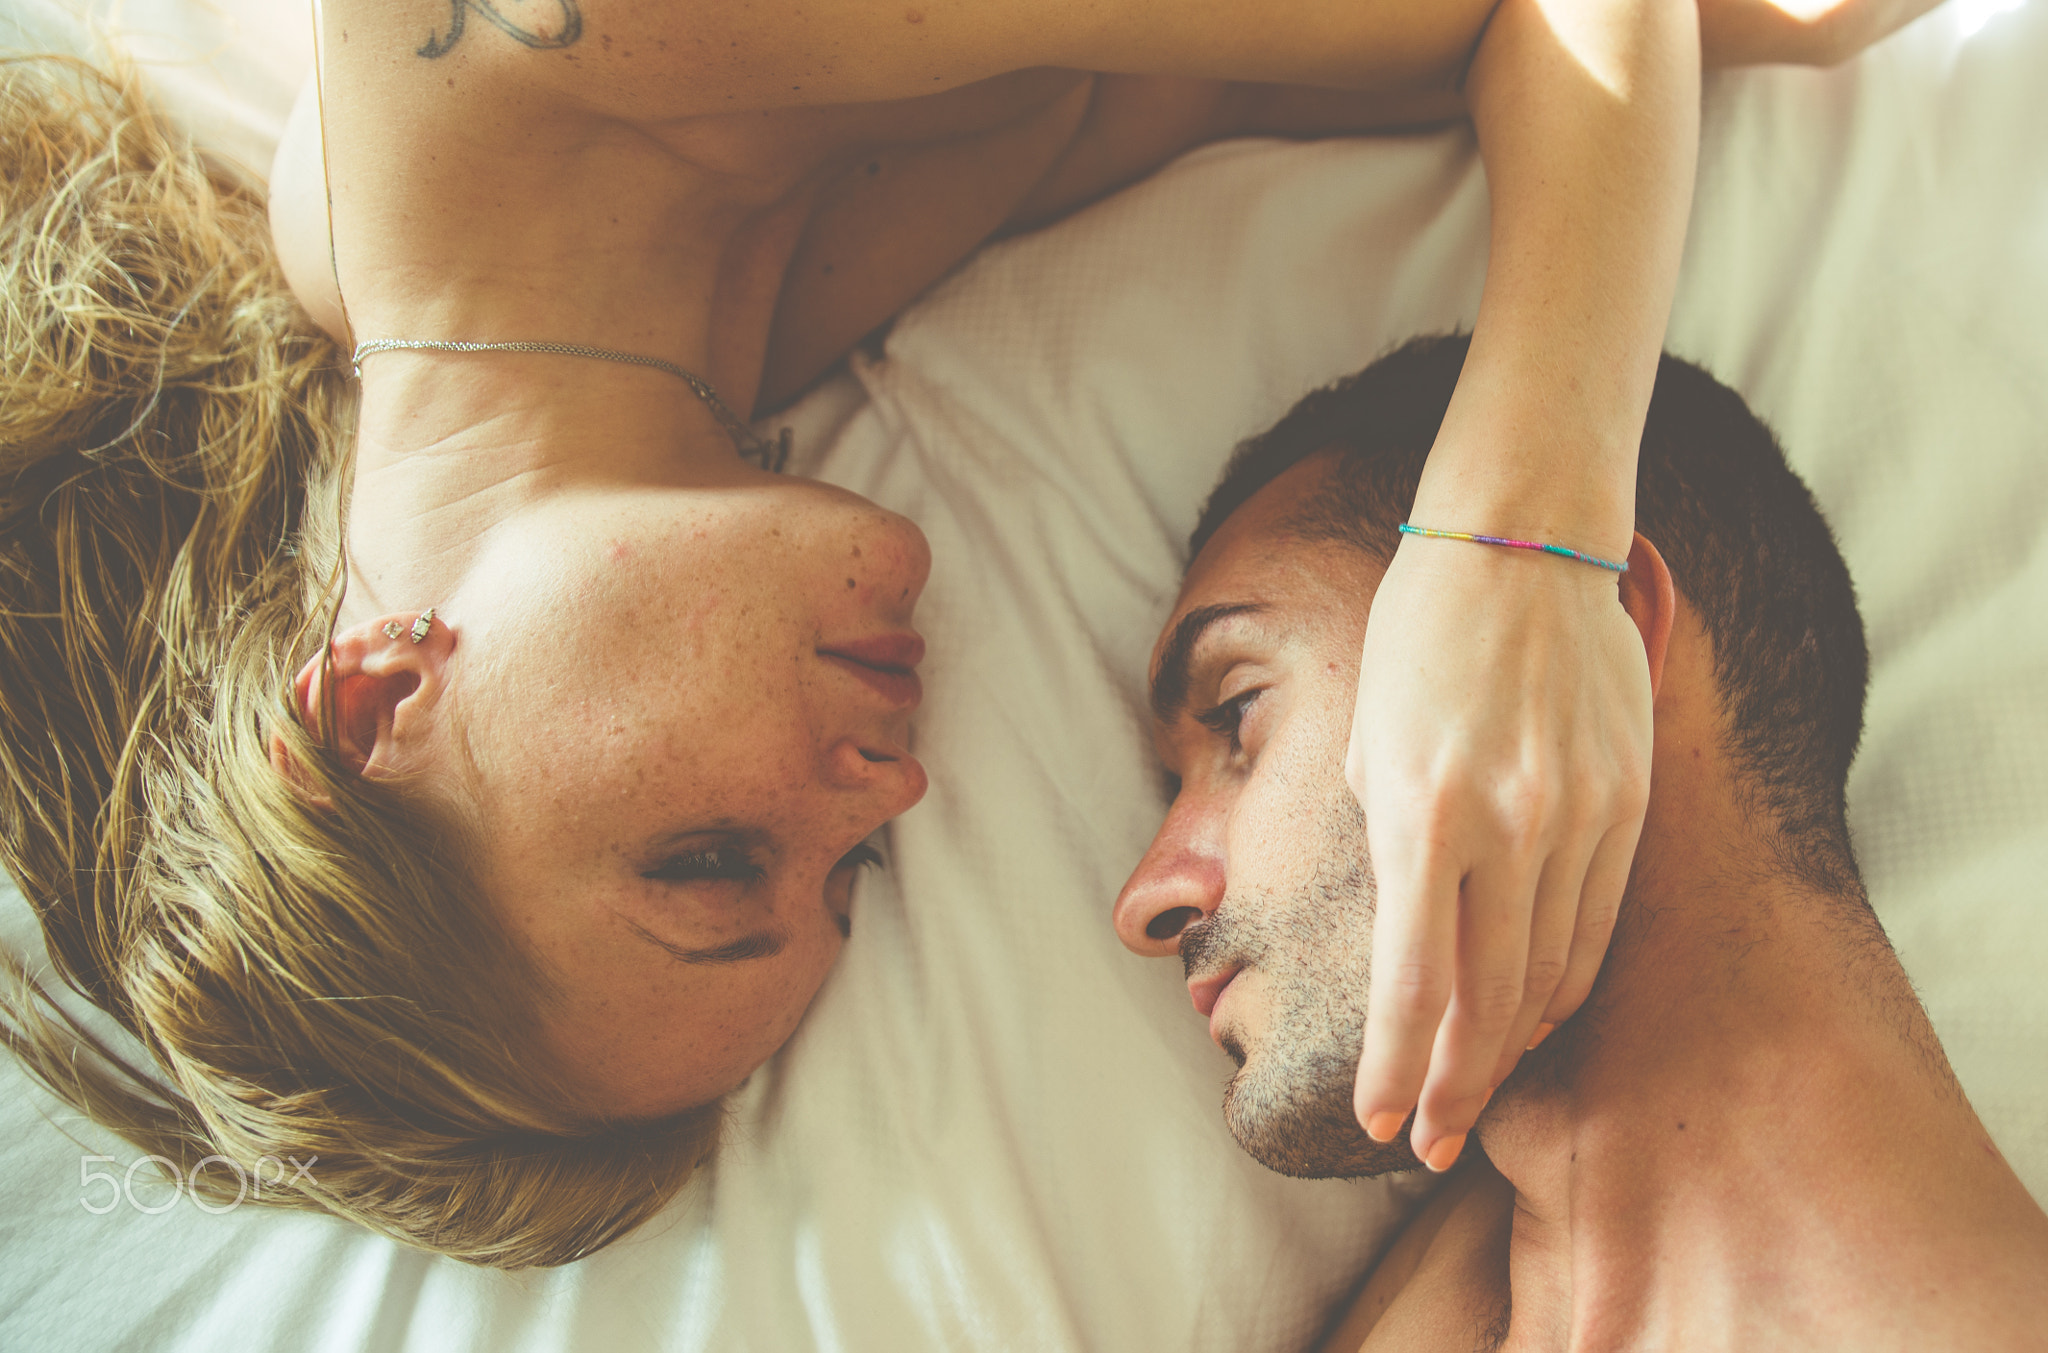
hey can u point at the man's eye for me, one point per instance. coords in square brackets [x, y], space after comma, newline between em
[1226, 719]
[719, 863]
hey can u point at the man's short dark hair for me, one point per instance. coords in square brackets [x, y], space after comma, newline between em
[1746, 544]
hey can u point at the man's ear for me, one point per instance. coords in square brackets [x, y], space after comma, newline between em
[1652, 602]
[377, 687]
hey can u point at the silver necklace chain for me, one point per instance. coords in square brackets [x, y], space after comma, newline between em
[750, 444]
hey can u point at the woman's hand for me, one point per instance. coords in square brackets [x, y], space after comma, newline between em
[1501, 752]
[1798, 32]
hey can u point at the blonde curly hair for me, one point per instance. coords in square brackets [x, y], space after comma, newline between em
[309, 966]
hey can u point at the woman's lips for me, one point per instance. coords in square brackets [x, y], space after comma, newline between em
[903, 650]
[886, 663]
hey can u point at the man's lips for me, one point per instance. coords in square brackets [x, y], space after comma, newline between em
[1206, 991]
[885, 663]
[1203, 991]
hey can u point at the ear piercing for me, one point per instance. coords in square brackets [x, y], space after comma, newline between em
[392, 629]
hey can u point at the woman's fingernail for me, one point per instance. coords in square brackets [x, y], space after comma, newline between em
[1444, 1154]
[1542, 1032]
[1382, 1126]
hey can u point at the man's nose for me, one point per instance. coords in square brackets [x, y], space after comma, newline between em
[1179, 882]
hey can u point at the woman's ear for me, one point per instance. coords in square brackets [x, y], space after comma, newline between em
[377, 687]
[1652, 602]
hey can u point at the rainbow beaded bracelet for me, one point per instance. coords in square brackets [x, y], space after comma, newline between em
[1557, 550]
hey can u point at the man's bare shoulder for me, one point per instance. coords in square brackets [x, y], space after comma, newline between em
[1444, 1283]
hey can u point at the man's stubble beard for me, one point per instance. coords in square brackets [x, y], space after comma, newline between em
[1289, 1105]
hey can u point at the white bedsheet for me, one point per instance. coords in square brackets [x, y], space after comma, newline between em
[996, 1130]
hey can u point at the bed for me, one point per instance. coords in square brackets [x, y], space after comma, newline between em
[998, 1130]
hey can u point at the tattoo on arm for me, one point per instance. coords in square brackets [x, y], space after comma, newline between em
[438, 44]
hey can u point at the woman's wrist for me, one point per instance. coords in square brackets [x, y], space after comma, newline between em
[1584, 501]
[1534, 447]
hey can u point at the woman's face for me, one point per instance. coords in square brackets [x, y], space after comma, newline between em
[686, 709]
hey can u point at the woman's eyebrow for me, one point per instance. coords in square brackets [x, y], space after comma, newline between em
[762, 944]
[1170, 682]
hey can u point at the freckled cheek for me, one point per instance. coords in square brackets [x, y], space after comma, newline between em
[821, 948]
[731, 777]
[751, 1021]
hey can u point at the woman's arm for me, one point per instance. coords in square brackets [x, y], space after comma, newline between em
[1501, 747]
[639, 60]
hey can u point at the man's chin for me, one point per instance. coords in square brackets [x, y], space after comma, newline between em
[1307, 1132]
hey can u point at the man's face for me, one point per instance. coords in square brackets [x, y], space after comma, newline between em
[1259, 878]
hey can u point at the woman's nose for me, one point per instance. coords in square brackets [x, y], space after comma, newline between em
[887, 779]
[1180, 881]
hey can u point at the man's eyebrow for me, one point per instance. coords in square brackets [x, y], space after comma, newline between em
[764, 944]
[1170, 682]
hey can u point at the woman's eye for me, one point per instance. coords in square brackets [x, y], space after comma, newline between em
[1227, 719]
[719, 863]
[862, 856]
